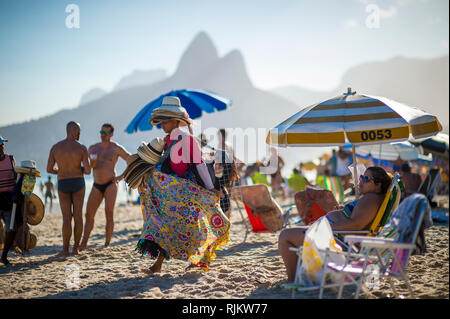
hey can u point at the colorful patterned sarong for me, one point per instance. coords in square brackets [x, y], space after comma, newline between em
[182, 220]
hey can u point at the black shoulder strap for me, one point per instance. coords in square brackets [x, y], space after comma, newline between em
[166, 153]
[11, 158]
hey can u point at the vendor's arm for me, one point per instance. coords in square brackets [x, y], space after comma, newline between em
[196, 158]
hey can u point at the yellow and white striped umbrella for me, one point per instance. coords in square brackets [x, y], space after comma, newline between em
[361, 119]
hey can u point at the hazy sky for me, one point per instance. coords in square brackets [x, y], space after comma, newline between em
[46, 66]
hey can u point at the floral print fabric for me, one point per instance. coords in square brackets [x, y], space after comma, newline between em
[181, 219]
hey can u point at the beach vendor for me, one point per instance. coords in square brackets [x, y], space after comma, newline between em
[181, 209]
[7, 185]
[356, 215]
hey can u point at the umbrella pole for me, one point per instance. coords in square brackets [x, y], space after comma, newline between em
[355, 178]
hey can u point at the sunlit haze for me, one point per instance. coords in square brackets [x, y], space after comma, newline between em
[46, 66]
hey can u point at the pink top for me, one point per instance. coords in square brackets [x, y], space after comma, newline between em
[7, 180]
[178, 160]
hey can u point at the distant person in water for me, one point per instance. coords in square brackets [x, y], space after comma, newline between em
[68, 155]
[103, 157]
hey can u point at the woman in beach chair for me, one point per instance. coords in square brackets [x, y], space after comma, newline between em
[181, 209]
[356, 215]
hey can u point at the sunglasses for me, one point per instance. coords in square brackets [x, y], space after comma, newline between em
[105, 133]
[365, 178]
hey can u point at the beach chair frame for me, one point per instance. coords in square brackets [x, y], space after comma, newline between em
[333, 183]
[238, 198]
[392, 258]
[429, 184]
[389, 205]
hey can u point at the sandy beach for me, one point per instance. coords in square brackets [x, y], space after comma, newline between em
[243, 269]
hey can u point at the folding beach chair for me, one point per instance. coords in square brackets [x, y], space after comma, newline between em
[389, 204]
[333, 184]
[386, 255]
[263, 212]
[430, 183]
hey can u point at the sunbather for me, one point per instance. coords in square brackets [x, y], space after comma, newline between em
[356, 215]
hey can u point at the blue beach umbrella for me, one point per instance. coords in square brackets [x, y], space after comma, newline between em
[195, 101]
[405, 150]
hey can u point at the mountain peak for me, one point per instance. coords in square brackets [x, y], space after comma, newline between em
[200, 53]
[140, 77]
[92, 95]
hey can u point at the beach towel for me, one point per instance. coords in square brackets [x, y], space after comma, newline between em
[402, 220]
[182, 220]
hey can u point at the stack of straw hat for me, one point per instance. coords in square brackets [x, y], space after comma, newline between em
[171, 109]
[143, 162]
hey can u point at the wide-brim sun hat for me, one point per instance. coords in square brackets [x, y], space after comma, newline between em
[34, 209]
[170, 109]
[27, 167]
[31, 241]
[132, 158]
[151, 152]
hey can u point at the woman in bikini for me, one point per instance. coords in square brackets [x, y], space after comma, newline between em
[356, 215]
[181, 209]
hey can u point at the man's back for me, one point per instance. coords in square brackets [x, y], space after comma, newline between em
[411, 181]
[68, 155]
[49, 187]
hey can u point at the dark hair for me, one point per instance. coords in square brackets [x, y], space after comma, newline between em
[222, 132]
[379, 175]
[111, 127]
[71, 126]
[406, 168]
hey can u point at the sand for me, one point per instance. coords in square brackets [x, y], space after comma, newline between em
[243, 269]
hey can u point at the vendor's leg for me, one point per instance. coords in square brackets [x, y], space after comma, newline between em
[290, 237]
[156, 268]
[9, 240]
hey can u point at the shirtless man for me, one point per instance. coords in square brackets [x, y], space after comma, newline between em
[69, 154]
[49, 192]
[103, 157]
[411, 180]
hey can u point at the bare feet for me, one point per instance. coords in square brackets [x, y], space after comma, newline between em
[75, 252]
[147, 271]
[63, 253]
[82, 247]
[152, 270]
[190, 267]
[5, 261]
